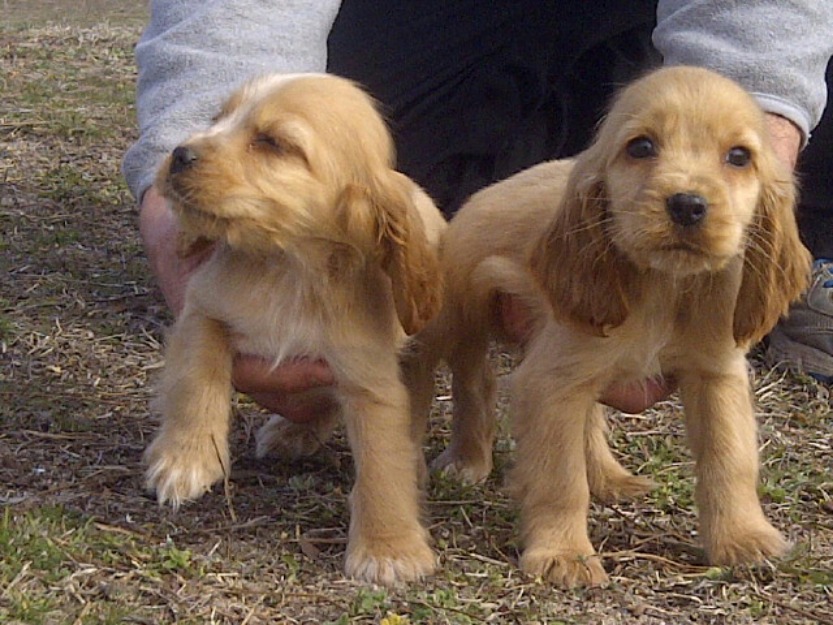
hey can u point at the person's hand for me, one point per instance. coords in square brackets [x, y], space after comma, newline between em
[785, 137]
[631, 398]
[282, 390]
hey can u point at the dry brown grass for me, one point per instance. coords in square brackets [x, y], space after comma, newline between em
[80, 329]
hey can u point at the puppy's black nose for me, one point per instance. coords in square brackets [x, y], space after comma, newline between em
[686, 209]
[182, 158]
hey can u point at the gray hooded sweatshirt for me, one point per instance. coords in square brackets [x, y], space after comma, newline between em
[194, 52]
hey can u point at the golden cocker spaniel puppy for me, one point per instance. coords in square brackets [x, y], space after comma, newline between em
[668, 247]
[322, 250]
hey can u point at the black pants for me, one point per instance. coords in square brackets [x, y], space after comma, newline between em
[476, 91]
[815, 169]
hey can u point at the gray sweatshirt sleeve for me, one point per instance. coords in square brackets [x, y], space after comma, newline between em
[777, 49]
[194, 52]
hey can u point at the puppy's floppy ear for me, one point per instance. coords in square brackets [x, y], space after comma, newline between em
[776, 266]
[384, 223]
[588, 281]
[409, 258]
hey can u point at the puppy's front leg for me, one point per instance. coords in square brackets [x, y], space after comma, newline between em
[722, 433]
[550, 476]
[387, 541]
[190, 451]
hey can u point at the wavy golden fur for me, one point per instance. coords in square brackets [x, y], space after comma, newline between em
[322, 250]
[668, 247]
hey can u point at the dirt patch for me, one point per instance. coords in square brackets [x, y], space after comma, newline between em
[78, 12]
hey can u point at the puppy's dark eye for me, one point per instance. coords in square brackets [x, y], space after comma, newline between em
[738, 156]
[266, 141]
[641, 147]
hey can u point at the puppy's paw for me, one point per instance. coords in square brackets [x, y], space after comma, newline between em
[745, 544]
[620, 485]
[390, 561]
[180, 471]
[565, 568]
[288, 440]
[469, 468]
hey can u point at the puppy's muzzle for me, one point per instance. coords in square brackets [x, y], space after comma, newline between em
[687, 209]
[182, 158]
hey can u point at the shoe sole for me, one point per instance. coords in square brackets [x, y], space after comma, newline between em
[784, 351]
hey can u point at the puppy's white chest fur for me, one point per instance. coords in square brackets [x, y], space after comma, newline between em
[281, 308]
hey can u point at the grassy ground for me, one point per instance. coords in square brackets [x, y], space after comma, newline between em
[80, 332]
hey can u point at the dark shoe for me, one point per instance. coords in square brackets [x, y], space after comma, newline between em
[803, 341]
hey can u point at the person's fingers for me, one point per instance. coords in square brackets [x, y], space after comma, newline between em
[297, 408]
[284, 389]
[256, 375]
[637, 396]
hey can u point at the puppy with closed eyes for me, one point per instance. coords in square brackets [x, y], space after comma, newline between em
[321, 250]
[668, 247]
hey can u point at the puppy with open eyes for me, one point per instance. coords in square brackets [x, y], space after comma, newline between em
[668, 247]
[322, 250]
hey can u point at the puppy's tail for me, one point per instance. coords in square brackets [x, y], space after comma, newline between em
[499, 276]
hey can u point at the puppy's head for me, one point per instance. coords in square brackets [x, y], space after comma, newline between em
[276, 160]
[680, 180]
[304, 163]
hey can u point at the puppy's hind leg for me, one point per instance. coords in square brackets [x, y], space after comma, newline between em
[190, 451]
[469, 454]
[419, 362]
[609, 481]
